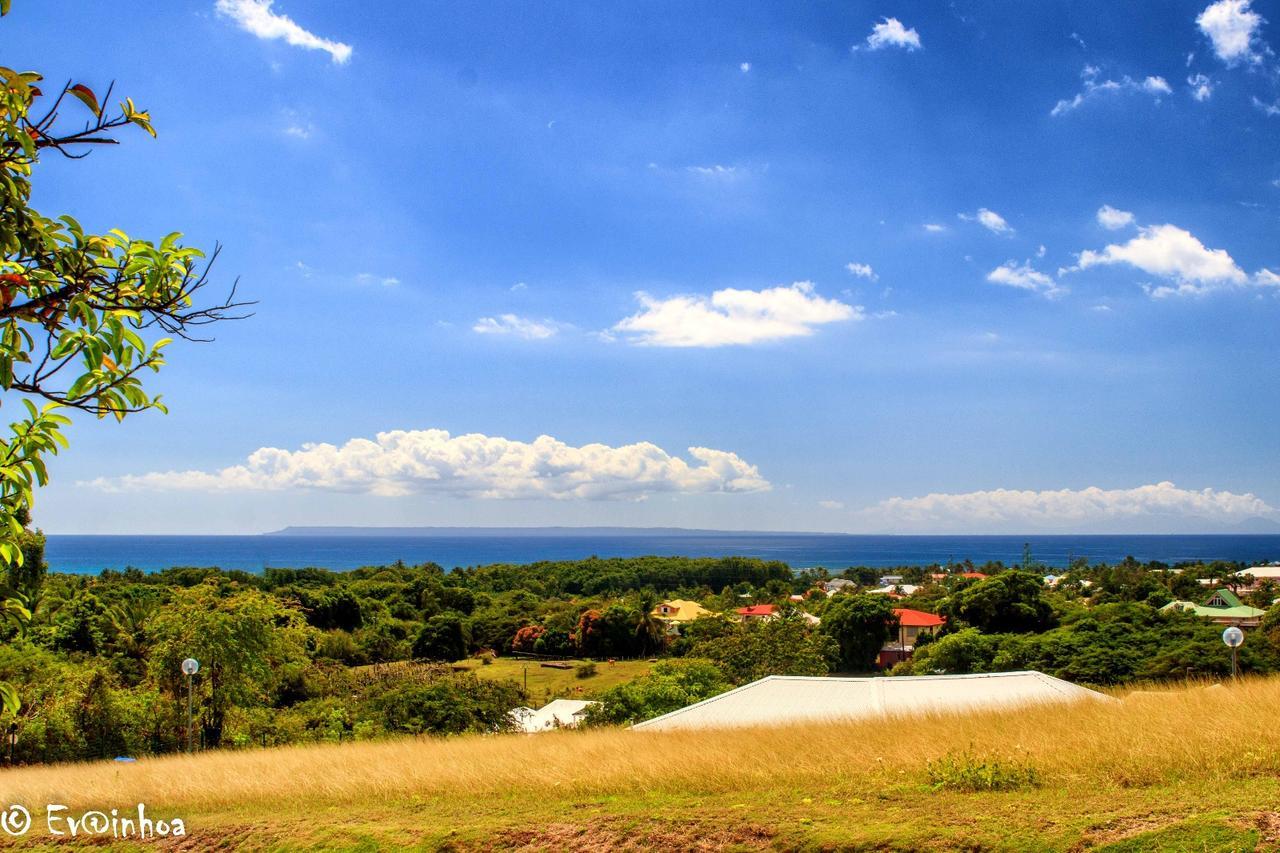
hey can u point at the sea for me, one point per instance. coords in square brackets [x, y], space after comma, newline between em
[91, 554]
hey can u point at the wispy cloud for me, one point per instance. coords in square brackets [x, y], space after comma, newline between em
[988, 219]
[861, 271]
[1113, 219]
[516, 327]
[409, 462]
[1093, 88]
[934, 227]
[367, 278]
[1201, 87]
[890, 32]
[256, 17]
[733, 317]
[1025, 277]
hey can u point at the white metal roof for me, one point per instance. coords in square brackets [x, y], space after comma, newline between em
[781, 699]
[556, 713]
[1261, 572]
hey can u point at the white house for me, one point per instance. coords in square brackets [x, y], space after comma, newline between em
[556, 714]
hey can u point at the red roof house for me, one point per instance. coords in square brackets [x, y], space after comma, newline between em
[911, 625]
[973, 575]
[758, 611]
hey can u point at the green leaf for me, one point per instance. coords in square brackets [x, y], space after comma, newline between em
[8, 695]
[86, 97]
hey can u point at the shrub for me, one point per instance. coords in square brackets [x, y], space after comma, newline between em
[967, 772]
[586, 670]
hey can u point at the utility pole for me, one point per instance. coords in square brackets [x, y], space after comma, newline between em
[190, 667]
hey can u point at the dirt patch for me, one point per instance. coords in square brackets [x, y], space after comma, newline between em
[1268, 826]
[603, 834]
[1120, 829]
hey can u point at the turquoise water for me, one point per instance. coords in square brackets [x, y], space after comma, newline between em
[91, 554]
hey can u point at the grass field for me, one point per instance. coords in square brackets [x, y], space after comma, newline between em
[1185, 769]
[546, 683]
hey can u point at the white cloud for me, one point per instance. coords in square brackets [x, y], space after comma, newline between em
[370, 278]
[1040, 252]
[409, 462]
[255, 16]
[518, 287]
[517, 327]
[1201, 87]
[1113, 219]
[1093, 87]
[1013, 274]
[891, 33]
[1266, 278]
[934, 227]
[1067, 508]
[744, 67]
[715, 170]
[831, 504]
[1232, 28]
[988, 219]
[1267, 109]
[1171, 253]
[861, 270]
[732, 317]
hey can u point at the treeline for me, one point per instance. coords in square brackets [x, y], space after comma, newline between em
[313, 655]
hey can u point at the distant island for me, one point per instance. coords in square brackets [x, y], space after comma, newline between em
[527, 531]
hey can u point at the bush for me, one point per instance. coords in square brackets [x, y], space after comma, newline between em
[967, 772]
[673, 684]
[586, 670]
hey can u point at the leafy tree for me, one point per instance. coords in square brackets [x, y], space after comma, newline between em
[1010, 602]
[774, 647]
[76, 308]
[442, 638]
[671, 685]
[860, 625]
[446, 703]
[239, 637]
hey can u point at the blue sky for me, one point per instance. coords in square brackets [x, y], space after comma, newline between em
[973, 267]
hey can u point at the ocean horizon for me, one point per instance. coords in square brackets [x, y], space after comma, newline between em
[90, 554]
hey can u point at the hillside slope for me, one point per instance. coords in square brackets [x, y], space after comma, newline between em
[1187, 768]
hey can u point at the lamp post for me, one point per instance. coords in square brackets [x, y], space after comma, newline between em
[1233, 637]
[13, 740]
[190, 667]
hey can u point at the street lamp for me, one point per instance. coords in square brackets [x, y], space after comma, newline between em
[190, 667]
[1233, 637]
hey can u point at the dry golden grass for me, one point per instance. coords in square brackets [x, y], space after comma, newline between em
[1195, 735]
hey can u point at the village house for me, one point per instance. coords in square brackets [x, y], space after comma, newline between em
[835, 585]
[758, 612]
[912, 624]
[1252, 578]
[1223, 608]
[678, 610]
[557, 714]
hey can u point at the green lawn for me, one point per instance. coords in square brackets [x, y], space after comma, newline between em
[547, 683]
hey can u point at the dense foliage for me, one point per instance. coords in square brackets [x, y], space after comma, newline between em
[83, 316]
[311, 655]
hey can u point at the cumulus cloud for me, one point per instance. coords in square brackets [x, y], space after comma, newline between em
[934, 227]
[1114, 219]
[989, 219]
[414, 462]
[891, 33]
[1093, 87]
[861, 270]
[733, 317]
[256, 17]
[1013, 274]
[744, 67]
[1232, 28]
[1171, 253]
[516, 326]
[1067, 508]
